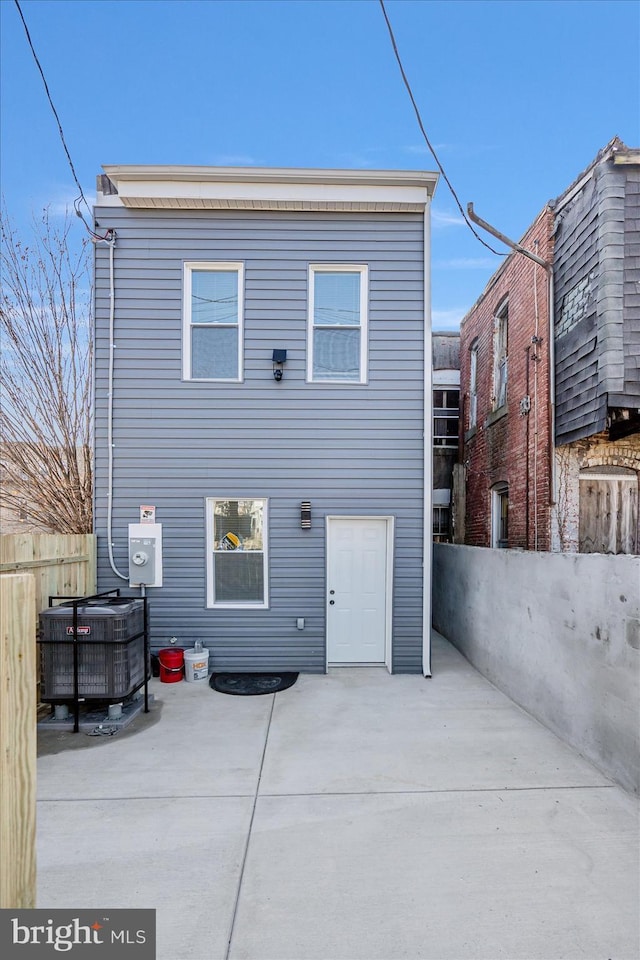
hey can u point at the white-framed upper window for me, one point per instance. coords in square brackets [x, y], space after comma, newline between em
[473, 385]
[237, 568]
[337, 339]
[213, 320]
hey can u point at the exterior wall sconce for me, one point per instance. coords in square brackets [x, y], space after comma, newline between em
[305, 514]
[279, 359]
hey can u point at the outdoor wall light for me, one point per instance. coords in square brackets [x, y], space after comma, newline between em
[305, 514]
[279, 359]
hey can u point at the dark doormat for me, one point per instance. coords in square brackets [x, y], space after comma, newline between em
[251, 684]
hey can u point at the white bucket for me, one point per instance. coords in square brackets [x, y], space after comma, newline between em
[196, 665]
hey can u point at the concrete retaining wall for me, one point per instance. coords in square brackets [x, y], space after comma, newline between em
[559, 634]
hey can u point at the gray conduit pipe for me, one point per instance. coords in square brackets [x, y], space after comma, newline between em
[112, 317]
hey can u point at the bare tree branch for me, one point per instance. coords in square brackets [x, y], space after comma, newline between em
[47, 372]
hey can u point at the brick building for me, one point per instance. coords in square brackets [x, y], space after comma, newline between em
[555, 464]
[505, 417]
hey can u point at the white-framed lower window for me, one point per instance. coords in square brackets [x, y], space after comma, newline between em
[237, 567]
[338, 321]
[441, 523]
[500, 516]
[212, 320]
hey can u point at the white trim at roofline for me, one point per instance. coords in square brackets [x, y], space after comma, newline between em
[259, 188]
[201, 174]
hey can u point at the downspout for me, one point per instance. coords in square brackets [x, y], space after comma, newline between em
[527, 478]
[548, 266]
[427, 535]
[552, 387]
[112, 346]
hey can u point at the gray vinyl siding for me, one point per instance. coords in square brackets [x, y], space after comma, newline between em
[597, 253]
[350, 449]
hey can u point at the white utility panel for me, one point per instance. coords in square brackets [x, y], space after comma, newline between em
[145, 554]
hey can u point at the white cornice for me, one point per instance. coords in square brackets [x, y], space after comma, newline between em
[132, 172]
[268, 189]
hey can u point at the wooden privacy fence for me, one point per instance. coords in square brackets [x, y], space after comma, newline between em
[33, 567]
[60, 564]
[17, 742]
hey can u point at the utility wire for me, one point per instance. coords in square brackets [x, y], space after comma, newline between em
[426, 138]
[82, 197]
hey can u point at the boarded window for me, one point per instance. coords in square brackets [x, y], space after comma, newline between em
[473, 386]
[500, 340]
[608, 510]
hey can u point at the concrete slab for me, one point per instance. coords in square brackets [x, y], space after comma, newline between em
[96, 721]
[181, 858]
[204, 744]
[382, 825]
[366, 731]
[523, 875]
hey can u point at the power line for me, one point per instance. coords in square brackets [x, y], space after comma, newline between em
[426, 138]
[82, 197]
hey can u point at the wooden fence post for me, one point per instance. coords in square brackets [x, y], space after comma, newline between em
[17, 741]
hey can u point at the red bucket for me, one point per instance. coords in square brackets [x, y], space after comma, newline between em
[171, 664]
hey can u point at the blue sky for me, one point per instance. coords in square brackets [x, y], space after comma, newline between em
[517, 97]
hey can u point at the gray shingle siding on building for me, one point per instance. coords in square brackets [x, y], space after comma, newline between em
[596, 312]
[577, 380]
[351, 450]
[576, 266]
[631, 291]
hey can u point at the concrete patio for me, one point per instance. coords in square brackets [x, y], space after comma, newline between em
[355, 816]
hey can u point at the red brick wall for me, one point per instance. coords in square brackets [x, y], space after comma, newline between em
[505, 448]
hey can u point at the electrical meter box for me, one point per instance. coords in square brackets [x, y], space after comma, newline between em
[145, 554]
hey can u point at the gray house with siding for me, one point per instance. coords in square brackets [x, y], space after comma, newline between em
[597, 298]
[263, 384]
[596, 272]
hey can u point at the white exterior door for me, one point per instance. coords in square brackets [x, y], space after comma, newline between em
[358, 590]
